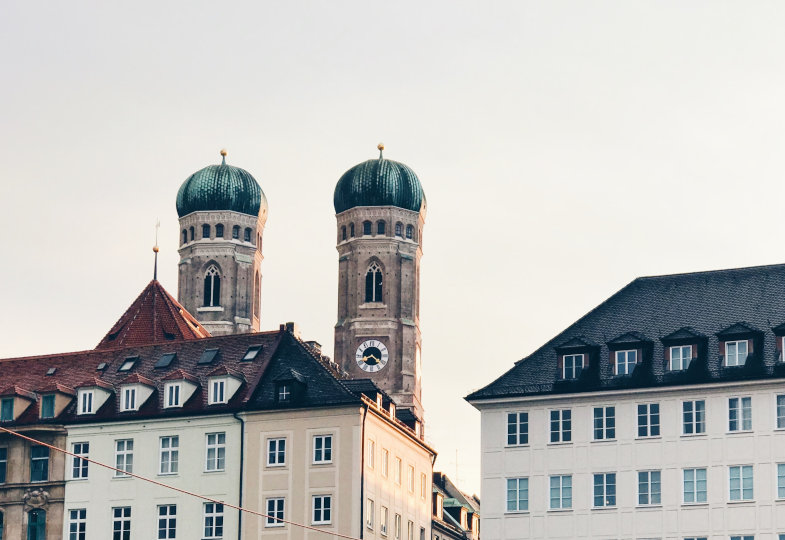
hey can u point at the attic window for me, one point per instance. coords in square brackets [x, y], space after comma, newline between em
[128, 364]
[101, 366]
[165, 360]
[252, 353]
[51, 371]
[284, 393]
[208, 356]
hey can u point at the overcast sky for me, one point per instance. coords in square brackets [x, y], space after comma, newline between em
[565, 148]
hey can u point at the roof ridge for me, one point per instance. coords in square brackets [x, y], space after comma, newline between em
[718, 271]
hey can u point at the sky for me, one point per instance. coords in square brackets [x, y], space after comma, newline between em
[564, 147]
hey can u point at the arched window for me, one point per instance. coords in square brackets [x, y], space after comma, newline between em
[380, 227]
[409, 232]
[219, 231]
[236, 232]
[366, 228]
[343, 232]
[373, 283]
[212, 287]
[36, 525]
[247, 236]
[185, 236]
[351, 230]
[191, 232]
[399, 229]
[205, 231]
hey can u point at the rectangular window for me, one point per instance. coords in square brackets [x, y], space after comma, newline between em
[740, 414]
[216, 452]
[694, 486]
[6, 409]
[517, 428]
[572, 365]
[79, 464]
[39, 463]
[121, 523]
[170, 453]
[781, 481]
[625, 362]
[397, 526]
[77, 524]
[129, 399]
[3, 464]
[322, 509]
[217, 391]
[48, 406]
[695, 538]
[323, 449]
[561, 425]
[410, 530]
[398, 470]
[370, 513]
[385, 461]
[694, 416]
[681, 356]
[649, 488]
[410, 478]
[167, 521]
[735, 353]
[173, 391]
[746, 537]
[213, 520]
[604, 423]
[517, 494]
[276, 452]
[275, 513]
[604, 490]
[781, 412]
[371, 454]
[649, 420]
[86, 402]
[423, 484]
[740, 478]
[124, 456]
[561, 492]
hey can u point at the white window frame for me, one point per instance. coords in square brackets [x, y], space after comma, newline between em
[779, 411]
[370, 513]
[123, 457]
[214, 511]
[77, 463]
[410, 478]
[606, 430]
[575, 371]
[77, 524]
[276, 451]
[215, 452]
[561, 420]
[696, 424]
[169, 520]
[423, 485]
[695, 481]
[605, 491]
[218, 391]
[325, 511]
[398, 471]
[649, 488]
[169, 448]
[397, 527]
[121, 515]
[648, 420]
[173, 395]
[276, 512]
[741, 470]
[737, 359]
[371, 454]
[622, 360]
[517, 485]
[128, 403]
[322, 449]
[517, 428]
[739, 414]
[385, 462]
[780, 482]
[86, 402]
[410, 530]
[384, 516]
[682, 364]
[561, 485]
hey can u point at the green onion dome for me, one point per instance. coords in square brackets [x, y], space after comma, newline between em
[379, 182]
[221, 187]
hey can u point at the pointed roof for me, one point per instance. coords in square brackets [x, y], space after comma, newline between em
[154, 317]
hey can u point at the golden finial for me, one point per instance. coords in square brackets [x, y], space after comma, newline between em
[223, 152]
[155, 249]
[223, 156]
[380, 147]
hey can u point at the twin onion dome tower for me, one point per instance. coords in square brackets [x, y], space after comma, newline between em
[380, 212]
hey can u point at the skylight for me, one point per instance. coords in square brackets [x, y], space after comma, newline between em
[208, 356]
[165, 360]
[128, 364]
[51, 371]
[101, 366]
[252, 353]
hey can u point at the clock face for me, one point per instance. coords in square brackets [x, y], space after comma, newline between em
[372, 355]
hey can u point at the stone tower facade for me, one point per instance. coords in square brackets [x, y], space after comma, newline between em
[379, 245]
[222, 216]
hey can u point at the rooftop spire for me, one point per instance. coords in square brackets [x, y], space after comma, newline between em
[155, 250]
[380, 146]
[223, 156]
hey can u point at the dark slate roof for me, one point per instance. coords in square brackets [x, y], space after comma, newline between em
[696, 306]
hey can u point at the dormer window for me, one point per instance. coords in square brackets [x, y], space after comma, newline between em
[7, 410]
[129, 399]
[572, 366]
[284, 393]
[172, 394]
[217, 393]
[48, 406]
[680, 357]
[252, 353]
[625, 362]
[86, 399]
[128, 364]
[439, 506]
[736, 353]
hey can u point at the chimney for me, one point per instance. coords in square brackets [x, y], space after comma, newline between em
[293, 329]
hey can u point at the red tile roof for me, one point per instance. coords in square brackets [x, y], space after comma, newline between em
[154, 317]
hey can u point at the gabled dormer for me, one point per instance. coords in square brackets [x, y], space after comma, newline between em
[179, 386]
[55, 397]
[739, 344]
[91, 395]
[290, 387]
[222, 384]
[682, 348]
[135, 390]
[628, 353]
[574, 357]
[14, 401]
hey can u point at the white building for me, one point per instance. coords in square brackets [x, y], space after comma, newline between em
[657, 415]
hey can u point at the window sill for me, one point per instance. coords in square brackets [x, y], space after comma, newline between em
[209, 308]
[559, 510]
[75, 480]
[648, 438]
[321, 463]
[516, 513]
[604, 440]
[511, 446]
[276, 465]
[745, 501]
[215, 471]
[694, 504]
[740, 432]
[692, 435]
[560, 443]
[373, 305]
[648, 506]
[168, 474]
[274, 525]
[122, 477]
[319, 523]
[604, 508]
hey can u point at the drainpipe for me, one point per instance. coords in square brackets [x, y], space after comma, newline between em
[242, 465]
[362, 474]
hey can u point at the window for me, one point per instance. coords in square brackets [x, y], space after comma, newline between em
[561, 425]
[410, 530]
[173, 392]
[212, 287]
[604, 490]
[170, 452]
[781, 481]
[422, 533]
[371, 454]
[517, 428]
[323, 449]
[252, 353]
[247, 235]
[77, 524]
[649, 488]
[276, 452]
[604, 423]
[694, 486]
[79, 462]
[649, 420]
[48, 406]
[625, 362]
[409, 232]
[205, 231]
[397, 471]
[129, 399]
[410, 478]
[351, 230]
[275, 515]
[369, 513]
[121, 523]
[284, 393]
[217, 391]
[216, 452]
[322, 508]
[740, 483]
[167, 521]
[39, 463]
[397, 527]
[681, 357]
[236, 232]
[191, 233]
[694, 414]
[366, 228]
[373, 283]
[213, 520]
[517, 494]
[735, 353]
[383, 521]
[124, 456]
[572, 365]
[128, 363]
[385, 461]
[86, 402]
[3, 465]
[7, 410]
[423, 485]
[380, 228]
[781, 411]
[740, 414]
[399, 229]
[219, 230]
[36, 525]
[561, 492]
[343, 233]
[185, 236]
[746, 537]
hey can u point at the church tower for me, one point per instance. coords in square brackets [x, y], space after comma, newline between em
[222, 213]
[380, 213]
